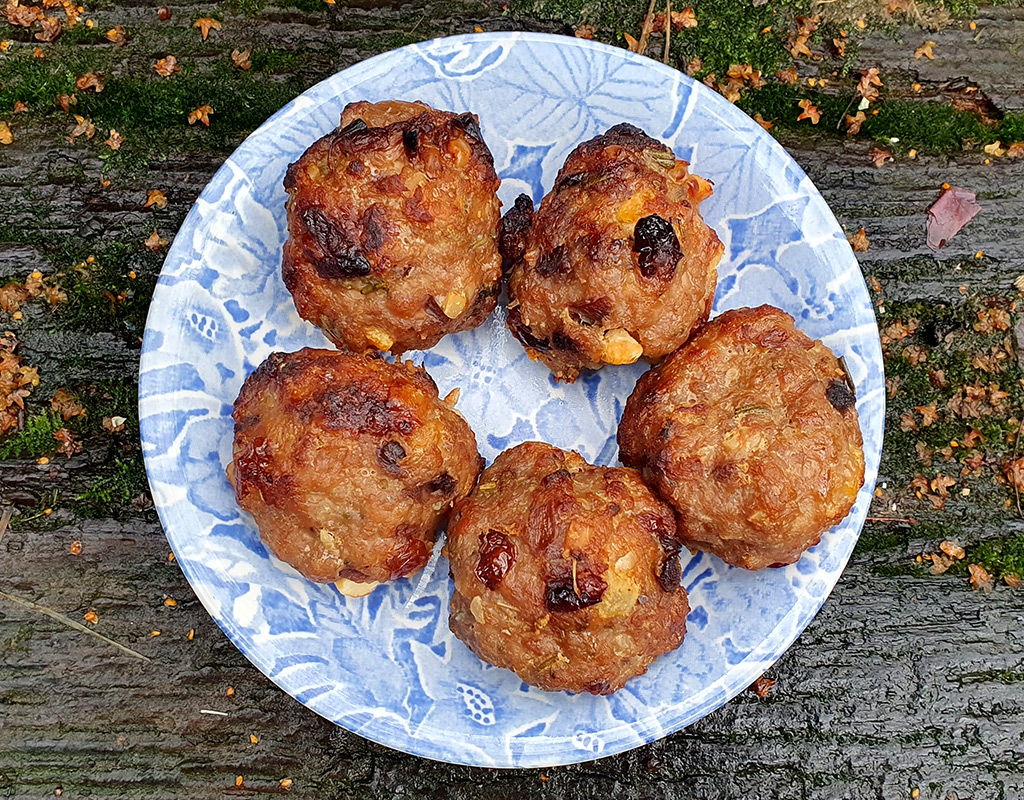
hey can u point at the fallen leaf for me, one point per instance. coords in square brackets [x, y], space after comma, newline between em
[694, 66]
[799, 47]
[763, 122]
[907, 422]
[76, 548]
[20, 107]
[114, 424]
[155, 241]
[866, 85]
[167, 66]
[83, 127]
[242, 61]
[5, 45]
[940, 563]
[39, 53]
[16, 383]
[915, 354]
[118, 35]
[157, 199]
[631, 44]
[925, 50]
[980, 578]
[928, 413]
[1012, 580]
[940, 485]
[6, 137]
[1015, 150]
[787, 75]
[684, 19]
[201, 114]
[948, 215]
[879, 157]
[992, 320]
[65, 404]
[810, 111]
[859, 241]
[115, 140]
[92, 616]
[206, 24]
[66, 442]
[65, 101]
[952, 549]
[854, 123]
[840, 47]
[761, 687]
[995, 149]
[51, 29]
[584, 31]
[91, 80]
[22, 16]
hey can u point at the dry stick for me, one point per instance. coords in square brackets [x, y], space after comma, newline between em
[645, 33]
[5, 519]
[1013, 470]
[69, 622]
[668, 27]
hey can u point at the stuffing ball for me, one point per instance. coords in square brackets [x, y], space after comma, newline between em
[616, 264]
[393, 228]
[750, 431]
[348, 464]
[566, 573]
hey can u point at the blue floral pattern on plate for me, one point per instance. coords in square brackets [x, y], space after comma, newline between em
[386, 666]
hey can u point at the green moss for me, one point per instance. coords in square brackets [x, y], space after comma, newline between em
[35, 438]
[1007, 676]
[112, 495]
[248, 7]
[920, 125]
[898, 570]
[999, 556]
[309, 6]
[276, 60]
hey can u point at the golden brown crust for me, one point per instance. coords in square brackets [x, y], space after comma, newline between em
[393, 222]
[348, 463]
[564, 572]
[617, 264]
[750, 431]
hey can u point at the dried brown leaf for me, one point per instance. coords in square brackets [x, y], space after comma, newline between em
[166, 66]
[50, 29]
[65, 404]
[201, 114]
[854, 123]
[155, 241]
[928, 414]
[66, 442]
[859, 241]
[952, 549]
[156, 199]
[241, 58]
[810, 111]
[6, 137]
[91, 80]
[980, 578]
[65, 101]
[83, 127]
[115, 140]
[761, 687]
[118, 35]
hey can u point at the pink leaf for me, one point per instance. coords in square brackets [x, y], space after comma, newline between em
[948, 215]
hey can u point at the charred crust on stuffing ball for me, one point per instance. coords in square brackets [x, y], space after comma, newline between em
[377, 229]
[840, 396]
[523, 333]
[560, 340]
[513, 231]
[590, 312]
[555, 262]
[497, 555]
[335, 255]
[355, 126]
[358, 409]
[411, 142]
[444, 484]
[556, 478]
[389, 454]
[724, 471]
[657, 247]
[563, 594]
[469, 124]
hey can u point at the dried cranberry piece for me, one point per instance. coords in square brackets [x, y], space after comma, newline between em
[657, 247]
[840, 396]
[561, 595]
[497, 555]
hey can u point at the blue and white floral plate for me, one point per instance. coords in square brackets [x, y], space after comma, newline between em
[386, 666]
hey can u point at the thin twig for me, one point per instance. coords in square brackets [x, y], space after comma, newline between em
[645, 32]
[908, 520]
[213, 713]
[1013, 470]
[69, 622]
[843, 115]
[668, 27]
[5, 519]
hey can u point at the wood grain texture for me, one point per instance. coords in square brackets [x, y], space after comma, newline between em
[903, 682]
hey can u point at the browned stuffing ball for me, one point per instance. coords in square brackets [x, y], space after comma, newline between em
[393, 228]
[348, 464]
[616, 264]
[750, 431]
[566, 573]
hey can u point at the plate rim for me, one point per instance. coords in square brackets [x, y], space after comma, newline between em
[749, 668]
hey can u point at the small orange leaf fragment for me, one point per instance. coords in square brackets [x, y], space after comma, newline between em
[76, 548]
[201, 114]
[206, 24]
[925, 50]
[20, 107]
[241, 58]
[810, 111]
[859, 241]
[92, 616]
[118, 35]
[6, 137]
[167, 66]
[157, 199]
[90, 80]
[155, 241]
[631, 44]
[65, 101]
[854, 123]
[253, 738]
[115, 140]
